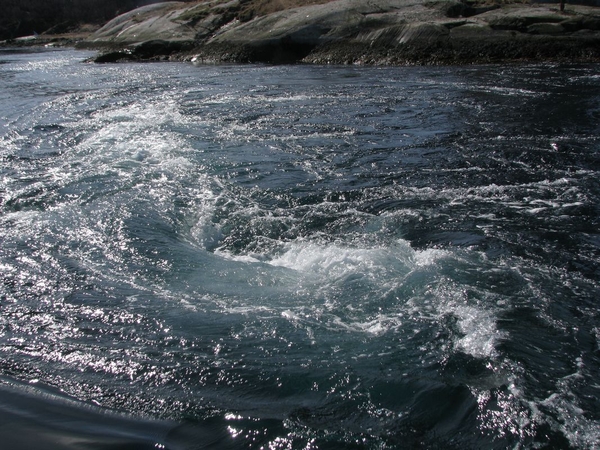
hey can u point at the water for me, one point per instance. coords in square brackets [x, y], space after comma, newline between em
[298, 256]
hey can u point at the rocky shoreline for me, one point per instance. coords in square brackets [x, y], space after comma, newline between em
[378, 32]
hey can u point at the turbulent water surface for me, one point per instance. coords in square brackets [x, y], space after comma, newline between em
[297, 256]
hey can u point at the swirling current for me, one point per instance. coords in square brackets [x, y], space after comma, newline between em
[298, 257]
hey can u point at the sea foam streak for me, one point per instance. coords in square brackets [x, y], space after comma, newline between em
[377, 276]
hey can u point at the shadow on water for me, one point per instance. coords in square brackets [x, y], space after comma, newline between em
[34, 416]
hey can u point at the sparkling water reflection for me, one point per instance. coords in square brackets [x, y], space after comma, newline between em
[300, 256]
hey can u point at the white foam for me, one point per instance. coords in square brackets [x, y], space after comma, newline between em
[581, 431]
[480, 331]
[205, 232]
[335, 261]
[378, 326]
[238, 258]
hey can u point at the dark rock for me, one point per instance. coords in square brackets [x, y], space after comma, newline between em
[112, 57]
[508, 23]
[546, 28]
[590, 23]
[159, 47]
[454, 10]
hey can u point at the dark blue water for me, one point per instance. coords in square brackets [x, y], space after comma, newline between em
[298, 257]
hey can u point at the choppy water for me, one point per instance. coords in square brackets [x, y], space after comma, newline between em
[298, 257]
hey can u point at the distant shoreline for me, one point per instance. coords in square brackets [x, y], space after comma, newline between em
[384, 32]
[50, 40]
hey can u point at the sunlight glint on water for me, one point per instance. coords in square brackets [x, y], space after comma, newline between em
[299, 257]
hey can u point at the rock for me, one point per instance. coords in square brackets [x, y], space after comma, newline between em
[510, 23]
[352, 32]
[546, 28]
[152, 22]
[112, 57]
[159, 47]
[581, 23]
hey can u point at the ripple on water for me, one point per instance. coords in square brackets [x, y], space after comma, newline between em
[301, 257]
